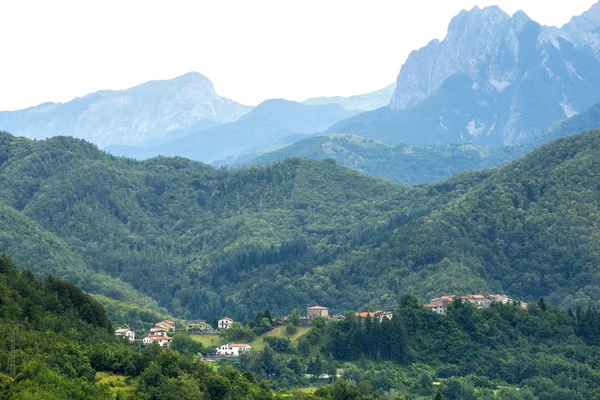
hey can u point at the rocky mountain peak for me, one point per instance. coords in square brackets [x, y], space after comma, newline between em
[148, 113]
[469, 24]
[584, 30]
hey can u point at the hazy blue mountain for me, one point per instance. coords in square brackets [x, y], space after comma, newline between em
[585, 28]
[361, 102]
[150, 113]
[417, 164]
[270, 125]
[493, 80]
[585, 121]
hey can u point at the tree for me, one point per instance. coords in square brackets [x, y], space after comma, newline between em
[343, 390]
[294, 317]
[542, 304]
[439, 396]
[290, 329]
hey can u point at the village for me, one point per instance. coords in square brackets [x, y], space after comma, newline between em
[163, 331]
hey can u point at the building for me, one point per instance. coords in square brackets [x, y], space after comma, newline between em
[166, 324]
[379, 315]
[233, 349]
[225, 323]
[163, 341]
[478, 300]
[438, 308]
[127, 333]
[337, 317]
[197, 325]
[442, 300]
[317, 311]
[158, 331]
[499, 298]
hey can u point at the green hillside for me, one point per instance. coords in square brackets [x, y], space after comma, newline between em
[65, 348]
[418, 164]
[400, 163]
[529, 230]
[202, 241]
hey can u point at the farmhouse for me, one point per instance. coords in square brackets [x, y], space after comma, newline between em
[126, 332]
[225, 323]
[317, 311]
[379, 315]
[197, 325]
[158, 331]
[166, 324]
[478, 300]
[163, 341]
[438, 308]
[233, 349]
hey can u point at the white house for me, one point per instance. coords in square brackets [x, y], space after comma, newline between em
[438, 308]
[158, 331]
[126, 332]
[162, 340]
[233, 349]
[225, 323]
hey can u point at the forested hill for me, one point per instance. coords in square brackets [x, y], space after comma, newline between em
[62, 337]
[203, 241]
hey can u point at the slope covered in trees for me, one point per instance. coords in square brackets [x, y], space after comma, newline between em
[413, 164]
[203, 241]
[63, 337]
[401, 163]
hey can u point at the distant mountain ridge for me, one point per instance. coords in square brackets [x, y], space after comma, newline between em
[361, 102]
[152, 112]
[269, 126]
[418, 164]
[494, 80]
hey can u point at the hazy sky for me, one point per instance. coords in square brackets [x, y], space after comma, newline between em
[252, 50]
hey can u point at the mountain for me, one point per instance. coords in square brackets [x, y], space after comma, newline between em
[361, 102]
[584, 29]
[186, 233]
[493, 80]
[401, 163]
[206, 241]
[585, 121]
[418, 164]
[270, 125]
[150, 113]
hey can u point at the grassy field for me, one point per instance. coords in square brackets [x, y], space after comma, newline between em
[211, 342]
[258, 344]
[118, 384]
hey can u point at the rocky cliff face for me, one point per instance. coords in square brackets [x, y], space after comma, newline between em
[585, 29]
[522, 77]
[149, 113]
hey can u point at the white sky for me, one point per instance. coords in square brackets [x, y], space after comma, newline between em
[251, 50]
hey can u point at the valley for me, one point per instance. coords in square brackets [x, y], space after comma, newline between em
[432, 238]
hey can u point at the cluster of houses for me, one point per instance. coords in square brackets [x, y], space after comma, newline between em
[320, 311]
[440, 304]
[159, 334]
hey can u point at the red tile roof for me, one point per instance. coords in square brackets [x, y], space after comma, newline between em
[317, 308]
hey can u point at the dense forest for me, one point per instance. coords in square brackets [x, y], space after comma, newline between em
[400, 163]
[55, 338]
[179, 236]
